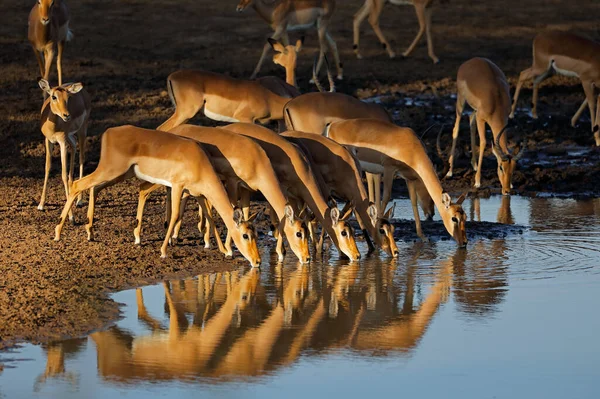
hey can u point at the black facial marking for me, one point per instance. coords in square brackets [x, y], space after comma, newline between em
[454, 219]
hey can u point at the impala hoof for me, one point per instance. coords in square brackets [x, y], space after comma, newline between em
[477, 185]
[40, 207]
[392, 55]
[339, 77]
[512, 115]
[449, 174]
[359, 56]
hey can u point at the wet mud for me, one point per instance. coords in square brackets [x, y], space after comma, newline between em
[123, 52]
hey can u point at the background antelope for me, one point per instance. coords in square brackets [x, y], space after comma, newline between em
[49, 27]
[373, 8]
[291, 15]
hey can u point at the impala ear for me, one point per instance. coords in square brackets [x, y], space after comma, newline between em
[390, 212]
[44, 85]
[372, 212]
[238, 216]
[276, 45]
[289, 213]
[253, 217]
[299, 44]
[335, 216]
[461, 199]
[446, 200]
[74, 88]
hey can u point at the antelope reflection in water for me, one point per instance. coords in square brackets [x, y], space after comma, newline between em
[56, 352]
[241, 328]
[505, 215]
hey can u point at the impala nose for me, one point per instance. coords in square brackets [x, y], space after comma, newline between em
[239, 9]
[396, 253]
[66, 117]
[45, 20]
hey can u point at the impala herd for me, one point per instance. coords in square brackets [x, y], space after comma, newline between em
[325, 142]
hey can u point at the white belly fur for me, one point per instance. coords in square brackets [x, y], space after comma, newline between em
[374, 168]
[217, 117]
[564, 72]
[149, 179]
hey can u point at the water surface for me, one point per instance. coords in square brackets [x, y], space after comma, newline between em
[508, 317]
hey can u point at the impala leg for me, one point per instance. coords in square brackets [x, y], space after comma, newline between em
[374, 22]
[482, 144]
[60, 46]
[145, 189]
[388, 181]
[359, 17]
[274, 222]
[63, 164]
[46, 172]
[412, 193]
[176, 192]
[473, 128]
[336, 55]
[184, 201]
[523, 76]
[73, 147]
[371, 189]
[579, 112]
[48, 57]
[244, 195]
[430, 51]
[377, 187]
[595, 129]
[536, 85]
[280, 248]
[460, 106]
[82, 147]
[588, 88]
[38, 57]
[420, 10]
[94, 191]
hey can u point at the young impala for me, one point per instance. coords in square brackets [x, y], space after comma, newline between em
[373, 8]
[244, 166]
[312, 112]
[482, 85]
[398, 150]
[290, 15]
[301, 184]
[49, 27]
[64, 116]
[570, 55]
[163, 158]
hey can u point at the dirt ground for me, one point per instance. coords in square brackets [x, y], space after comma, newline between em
[123, 51]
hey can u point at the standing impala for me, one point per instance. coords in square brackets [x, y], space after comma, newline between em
[342, 175]
[482, 85]
[244, 166]
[373, 8]
[382, 145]
[291, 15]
[312, 112]
[570, 55]
[49, 27]
[64, 116]
[163, 158]
[301, 183]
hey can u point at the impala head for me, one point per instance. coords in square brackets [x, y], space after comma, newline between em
[246, 288]
[44, 7]
[243, 4]
[285, 56]
[59, 97]
[454, 218]
[507, 163]
[296, 231]
[244, 236]
[384, 230]
[344, 233]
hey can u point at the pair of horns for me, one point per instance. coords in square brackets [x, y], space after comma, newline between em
[516, 155]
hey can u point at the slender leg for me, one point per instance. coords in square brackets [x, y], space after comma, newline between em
[38, 57]
[374, 22]
[61, 46]
[371, 189]
[420, 10]
[94, 191]
[279, 248]
[176, 192]
[428, 36]
[63, 163]
[473, 128]
[388, 181]
[525, 75]
[46, 173]
[460, 105]
[377, 187]
[184, 201]
[536, 84]
[145, 189]
[48, 57]
[595, 127]
[244, 195]
[274, 222]
[579, 112]
[482, 144]
[359, 17]
[73, 147]
[588, 88]
[336, 55]
[82, 148]
[278, 33]
[412, 193]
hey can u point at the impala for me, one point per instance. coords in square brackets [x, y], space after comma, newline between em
[162, 158]
[291, 15]
[342, 175]
[312, 112]
[482, 85]
[373, 8]
[391, 149]
[301, 184]
[64, 116]
[570, 55]
[244, 166]
[49, 27]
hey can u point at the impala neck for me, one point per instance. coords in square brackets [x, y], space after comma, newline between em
[290, 76]
[271, 190]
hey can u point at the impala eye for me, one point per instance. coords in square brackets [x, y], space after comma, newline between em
[299, 235]
[53, 98]
[344, 234]
[381, 231]
[245, 236]
[501, 168]
[454, 219]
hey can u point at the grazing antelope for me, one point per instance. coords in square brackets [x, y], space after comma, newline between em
[341, 173]
[162, 158]
[223, 98]
[64, 116]
[244, 166]
[373, 8]
[482, 85]
[383, 147]
[291, 15]
[49, 27]
[312, 112]
[301, 184]
[566, 54]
